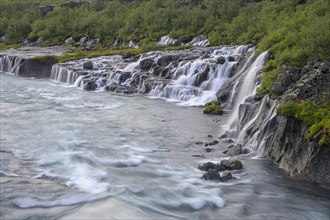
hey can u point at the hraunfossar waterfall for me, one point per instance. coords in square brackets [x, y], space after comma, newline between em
[125, 137]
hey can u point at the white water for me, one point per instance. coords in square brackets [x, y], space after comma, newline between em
[246, 89]
[10, 64]
[196, 82]
[63, 149]
[192, 82]
[166, 40]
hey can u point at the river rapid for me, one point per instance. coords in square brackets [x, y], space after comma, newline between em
[71, 154]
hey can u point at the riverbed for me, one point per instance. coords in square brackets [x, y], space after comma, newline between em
[68, 153]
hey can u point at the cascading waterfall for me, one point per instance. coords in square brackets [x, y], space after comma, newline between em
[195, 83]
[190, 77]
[63, 74]
[10, 64]
[246, 90]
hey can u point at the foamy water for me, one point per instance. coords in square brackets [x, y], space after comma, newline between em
[77, 153]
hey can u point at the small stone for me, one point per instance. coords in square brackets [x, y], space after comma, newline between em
[209, 136]
[198, 155]
[198, 142]
[208, 150]
[214, 142]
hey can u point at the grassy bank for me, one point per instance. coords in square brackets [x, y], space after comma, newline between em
[316, 116]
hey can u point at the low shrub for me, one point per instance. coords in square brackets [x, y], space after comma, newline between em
[213, 109]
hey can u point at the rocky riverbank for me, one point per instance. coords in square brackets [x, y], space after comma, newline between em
[197, 76]
[23, 62]
[283, 139]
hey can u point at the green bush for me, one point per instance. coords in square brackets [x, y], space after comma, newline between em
[213, 109]
[316, 116]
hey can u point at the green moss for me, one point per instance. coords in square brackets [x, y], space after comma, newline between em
[45, 59]
[316, 116]
[213, 109]
[79, 54]
[4, 46]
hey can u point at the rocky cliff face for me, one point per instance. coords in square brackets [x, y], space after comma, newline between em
[290, 149]
[283, 139]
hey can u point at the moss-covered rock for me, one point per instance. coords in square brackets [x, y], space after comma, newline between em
[213, 109]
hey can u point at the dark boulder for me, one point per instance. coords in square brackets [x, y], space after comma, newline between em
[231, 58]
[223, 165]
[202, 76]
[165, 60]
[212, 175]
[214, 142]
[146, 64]
[112, 87]
[216, 176]
[207, 166]
[88, 65]
[231, 165]
[221, 60]
[90, 86]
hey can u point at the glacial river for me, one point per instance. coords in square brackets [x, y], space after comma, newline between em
[71, 154]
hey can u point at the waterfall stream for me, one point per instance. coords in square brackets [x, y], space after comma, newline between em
[10, 64]
[190, 77]
[71, 155]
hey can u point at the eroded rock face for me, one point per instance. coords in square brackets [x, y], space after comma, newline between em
[283, 139]
[290, 149]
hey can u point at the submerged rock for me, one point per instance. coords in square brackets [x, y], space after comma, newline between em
[146, 64]
[90, 86]
[221, 60]
[212, 175]
[233, 150]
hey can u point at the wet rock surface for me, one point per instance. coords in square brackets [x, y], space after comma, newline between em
[223, 165]
[88, 65]
[219, 172]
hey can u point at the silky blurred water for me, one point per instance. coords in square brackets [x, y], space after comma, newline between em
[64, 149]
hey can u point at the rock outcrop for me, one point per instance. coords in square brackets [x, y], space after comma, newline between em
[290, 149]
[280, 138]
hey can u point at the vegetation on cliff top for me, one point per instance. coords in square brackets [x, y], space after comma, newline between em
[316, 116]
